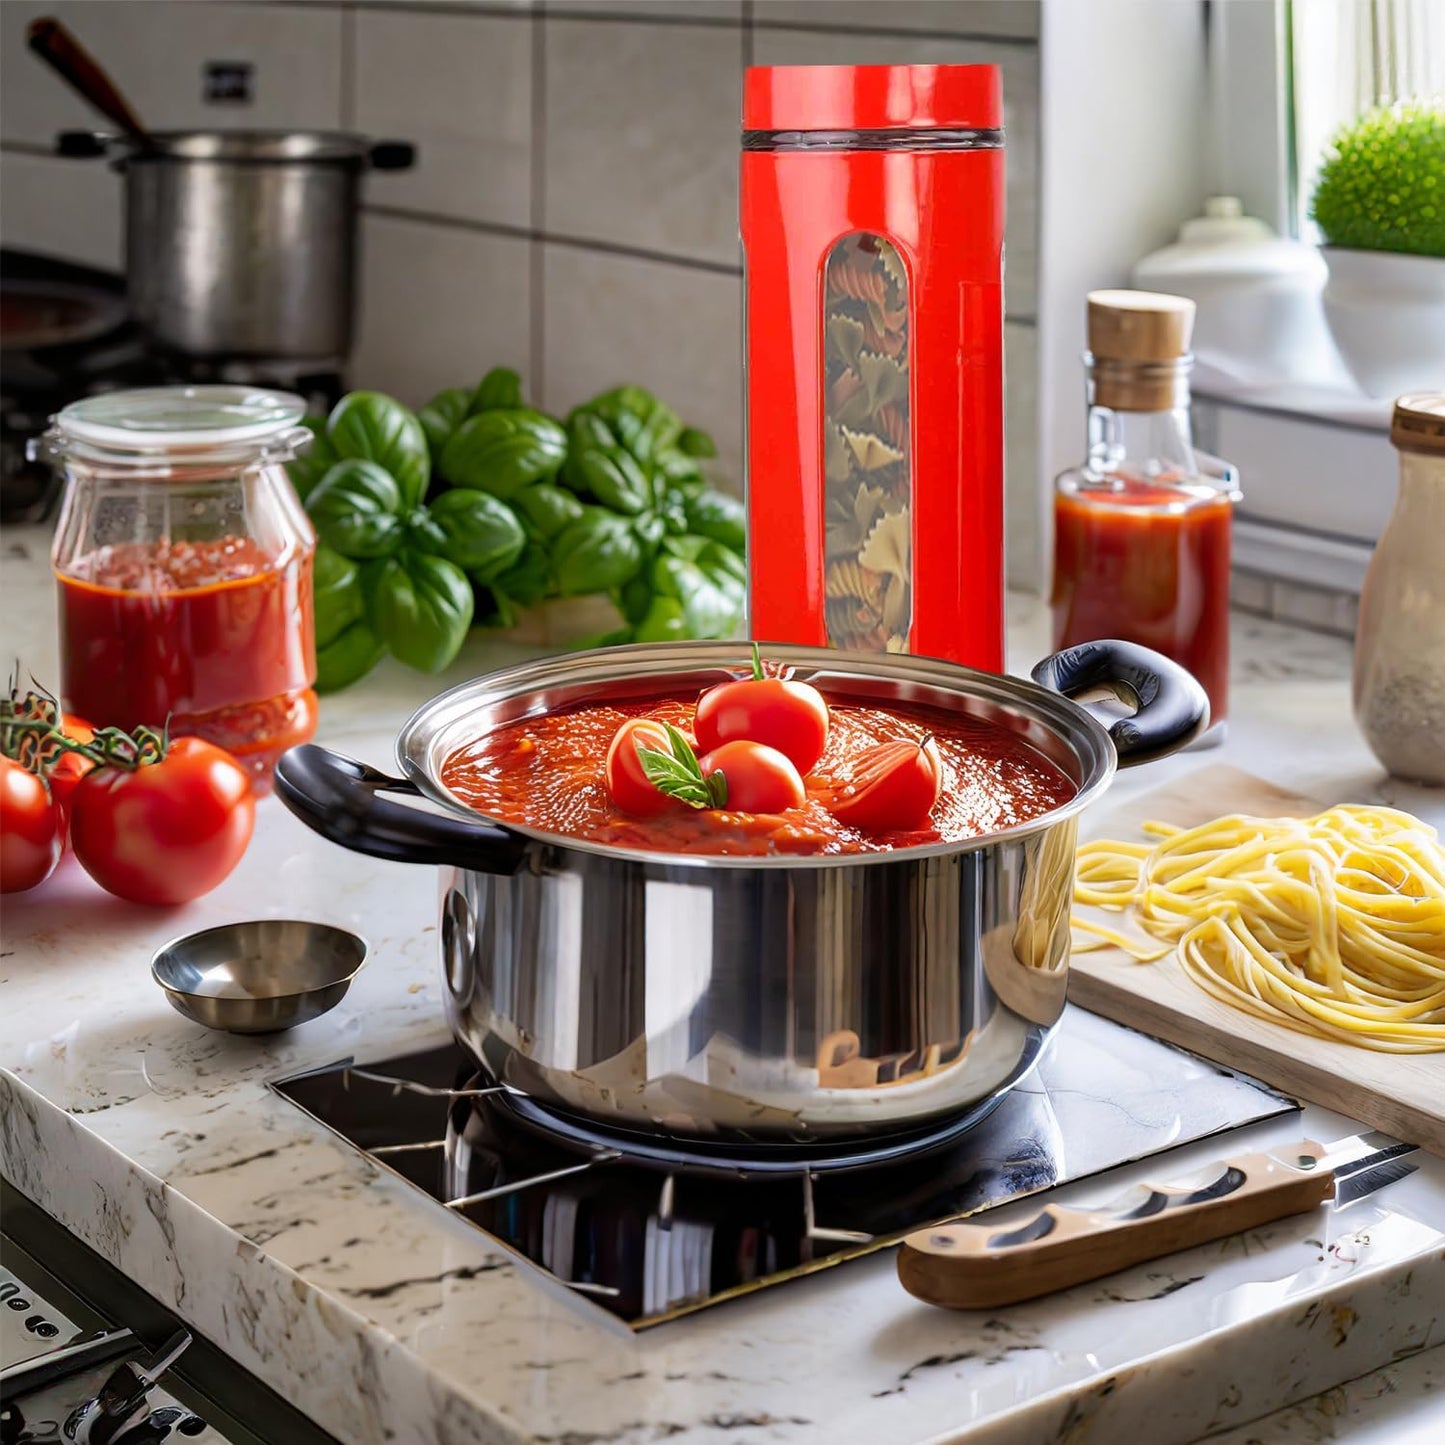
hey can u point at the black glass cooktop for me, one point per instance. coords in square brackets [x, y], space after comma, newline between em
[649, 1236]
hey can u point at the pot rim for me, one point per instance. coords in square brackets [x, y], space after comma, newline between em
[1069, 722]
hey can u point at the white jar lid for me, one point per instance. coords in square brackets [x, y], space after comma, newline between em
[181, 418]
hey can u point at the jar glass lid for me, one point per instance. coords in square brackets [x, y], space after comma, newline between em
[163, 418]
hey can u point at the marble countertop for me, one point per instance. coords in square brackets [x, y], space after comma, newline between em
[387, 1320]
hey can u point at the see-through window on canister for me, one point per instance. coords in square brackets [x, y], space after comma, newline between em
[867, 455]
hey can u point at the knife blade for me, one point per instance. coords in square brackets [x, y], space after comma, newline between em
[963, 1265]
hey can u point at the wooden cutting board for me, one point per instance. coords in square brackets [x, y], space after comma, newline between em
[1403, 1094]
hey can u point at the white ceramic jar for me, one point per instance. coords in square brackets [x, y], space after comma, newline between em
[1399, 683]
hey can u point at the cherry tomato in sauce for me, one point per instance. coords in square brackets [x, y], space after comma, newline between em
[759, 779]
[628, 785]
[789, 716]
[893, 787]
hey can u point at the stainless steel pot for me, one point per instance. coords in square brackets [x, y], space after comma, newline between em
[777, 999]
[242, 244]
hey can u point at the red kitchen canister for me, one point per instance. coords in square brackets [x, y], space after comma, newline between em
[872, 221]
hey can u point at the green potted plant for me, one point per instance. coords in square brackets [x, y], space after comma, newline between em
[1380, 202]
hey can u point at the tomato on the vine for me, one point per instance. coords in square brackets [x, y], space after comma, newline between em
[788, 716]
[163, 832]
[759, 779]
[893, 788]
[628, 785]
[69, 768]
[32, 829]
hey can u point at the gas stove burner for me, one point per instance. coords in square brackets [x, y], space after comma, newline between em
[649, 1228]
[723, 1158]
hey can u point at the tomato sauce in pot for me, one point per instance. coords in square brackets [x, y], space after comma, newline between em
[548, 773]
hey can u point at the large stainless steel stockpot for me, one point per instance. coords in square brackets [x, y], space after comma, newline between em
[243, 243]
[776, 999]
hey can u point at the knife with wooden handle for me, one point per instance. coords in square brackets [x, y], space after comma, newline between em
[980, 1266]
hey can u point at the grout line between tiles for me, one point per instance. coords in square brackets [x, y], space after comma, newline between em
[537, 211]
[349, 41]
[880, 32]
[578, 243]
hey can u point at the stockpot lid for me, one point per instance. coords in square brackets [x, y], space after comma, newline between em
[186, 423]
[255, 146]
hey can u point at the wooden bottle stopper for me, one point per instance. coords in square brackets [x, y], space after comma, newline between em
[1137, 340]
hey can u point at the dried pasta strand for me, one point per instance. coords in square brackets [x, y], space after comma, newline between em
[1332, 925]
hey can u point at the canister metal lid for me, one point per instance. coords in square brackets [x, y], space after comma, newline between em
[183, 418]
[1418, 423]
[806, 98]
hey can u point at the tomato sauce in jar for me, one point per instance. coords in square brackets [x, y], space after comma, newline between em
[215, 637]
[548, 773]
[1147, 562]
[183, 564]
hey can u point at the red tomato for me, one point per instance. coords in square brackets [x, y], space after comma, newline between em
[893, 788]
[760, 779]
[789, 716]
[32, 829]
[167, 832]
[627, 785]
[70, 768]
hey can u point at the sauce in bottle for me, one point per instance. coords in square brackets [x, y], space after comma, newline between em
[1142, 529]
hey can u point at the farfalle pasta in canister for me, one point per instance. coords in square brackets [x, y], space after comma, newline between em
[868, 482]
[872, 220]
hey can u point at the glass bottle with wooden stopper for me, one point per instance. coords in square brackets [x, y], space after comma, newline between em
[1142, 528]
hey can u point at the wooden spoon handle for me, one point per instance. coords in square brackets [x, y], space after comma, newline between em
[980, 1266]
[59, 48]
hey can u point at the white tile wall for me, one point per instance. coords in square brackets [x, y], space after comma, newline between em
[1021, 456]
[953, 17]
[675, 329]
[156, 51]
[1021, 111]
[439, 306]
[459, 87]
[642, 135]
[64, 208]
[586, 233]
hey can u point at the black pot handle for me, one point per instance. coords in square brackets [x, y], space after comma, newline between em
[341, 799]
[1173, 707]
[84, 145]
[392, 155]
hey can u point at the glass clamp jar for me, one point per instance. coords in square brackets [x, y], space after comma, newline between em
[183, 561]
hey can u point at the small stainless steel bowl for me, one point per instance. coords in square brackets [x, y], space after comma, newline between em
[260, 976]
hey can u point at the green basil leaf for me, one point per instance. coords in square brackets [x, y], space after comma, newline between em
[598, 552]
[378, 428]
[336, 595]
[355, 510]
[479, 533]
[672, 508]
[499, 390]
[423, 607]
[503, 451]
[724, 562]
[663, 621]
[650, 530]
[347, 658]
[694, 442]
[711, 600]
[611, 475]
[441, 416]
[547, 507]
[528, 580]
[644, 425]
[688, 548]
[307, 469]
[679, 472]
[721, 518]
[633, 598]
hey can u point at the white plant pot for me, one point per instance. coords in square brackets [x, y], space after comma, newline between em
[1387, 315]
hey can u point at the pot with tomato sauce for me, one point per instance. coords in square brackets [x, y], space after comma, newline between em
[684, 967]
